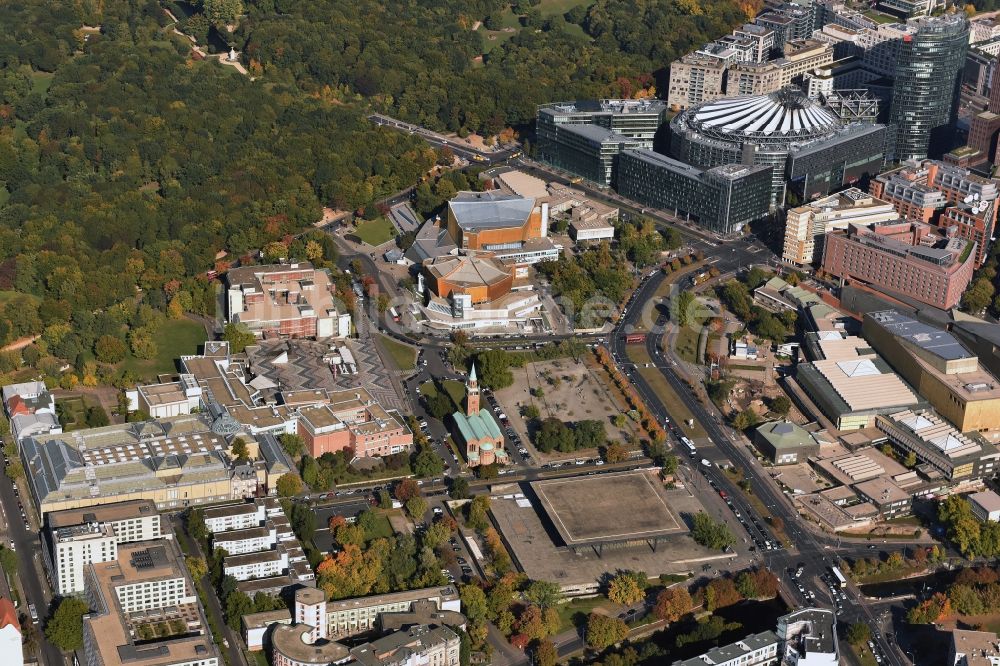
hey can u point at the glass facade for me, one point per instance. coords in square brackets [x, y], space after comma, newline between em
[926, 86]
[722, 199]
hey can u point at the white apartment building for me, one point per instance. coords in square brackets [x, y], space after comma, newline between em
[756, 650]
[348, 617]
[262, 564]
[80, 537]
[241, 516]
[150, 594]
[247, 540]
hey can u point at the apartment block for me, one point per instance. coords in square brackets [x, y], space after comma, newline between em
[695, 79]
[349, 617]
[807, 226]
[137, 597]
[80, 537]
[904, 259]
[263, 564]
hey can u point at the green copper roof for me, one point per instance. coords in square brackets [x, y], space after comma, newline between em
[477, 426]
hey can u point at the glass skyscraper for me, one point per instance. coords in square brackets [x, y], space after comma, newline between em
[926, 85]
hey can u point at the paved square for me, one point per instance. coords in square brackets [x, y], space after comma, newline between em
[607, 508]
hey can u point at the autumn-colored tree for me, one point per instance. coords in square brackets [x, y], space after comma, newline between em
[624, 589]
[350, 573]
[615, 453]
[672, 604]
[531, 623]
[335, 522]
[406, 489]
[720, 593]
[604, 631]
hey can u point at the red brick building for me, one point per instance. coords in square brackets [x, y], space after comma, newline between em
[906, 259]
[353, 420]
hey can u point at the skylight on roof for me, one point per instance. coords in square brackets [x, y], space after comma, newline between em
[862, 368]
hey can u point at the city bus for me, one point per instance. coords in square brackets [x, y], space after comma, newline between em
[394, 314]
[690, 446]
[839, 577]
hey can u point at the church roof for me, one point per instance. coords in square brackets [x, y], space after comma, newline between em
[472, 373]
[477, 426]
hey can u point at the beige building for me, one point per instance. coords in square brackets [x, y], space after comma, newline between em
[943, 371]
[753, 78]
[173, 462]
[806, 226]
[694, 79]
[801, 56]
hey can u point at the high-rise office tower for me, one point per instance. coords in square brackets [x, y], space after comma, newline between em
[926, 85]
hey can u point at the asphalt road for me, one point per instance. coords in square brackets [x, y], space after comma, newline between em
[30, 568]
[814, 551]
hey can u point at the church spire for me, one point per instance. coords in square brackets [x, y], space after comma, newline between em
[472, 393]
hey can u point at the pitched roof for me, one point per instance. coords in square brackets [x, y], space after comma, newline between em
[8, 615]
[477, 426]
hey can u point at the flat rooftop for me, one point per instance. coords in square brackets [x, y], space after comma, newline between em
[621, 506]
[106, 513]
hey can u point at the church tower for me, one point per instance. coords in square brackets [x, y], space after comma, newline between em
[472, 393]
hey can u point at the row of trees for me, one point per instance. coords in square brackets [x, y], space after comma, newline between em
[971, 536]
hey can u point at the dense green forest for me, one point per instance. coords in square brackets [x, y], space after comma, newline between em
[129, 166]
[418, 60]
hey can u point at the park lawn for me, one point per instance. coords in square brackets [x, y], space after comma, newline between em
[454, 389]
[76, 409]
[176, 338]
[383, 530]
[862, 656]
[404, 356]
[574, 613]
[663, 390]
[686, 343]
[376, 232]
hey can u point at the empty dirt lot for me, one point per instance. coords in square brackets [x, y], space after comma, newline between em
[570, 391]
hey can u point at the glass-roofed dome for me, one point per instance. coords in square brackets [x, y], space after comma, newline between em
[787, 114]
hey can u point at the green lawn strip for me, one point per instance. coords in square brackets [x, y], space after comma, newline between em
[889, 576]
[176, 338]
[863, 656]
[574, 613]
[663, 390]
[376, 232]
[383, 530]
[758, 504]
[404, 356]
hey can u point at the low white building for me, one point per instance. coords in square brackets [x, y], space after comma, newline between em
[246, 540]
[985, 505]
[591, 230]
[263, 564]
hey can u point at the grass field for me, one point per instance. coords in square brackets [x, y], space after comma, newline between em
[879, 17]
[663, 390]
[547, 8]
[574, 613]
[383, 530]
[454, 389]
[176, 338]
[76, 409]
[862, 656]
[376, 232]
[404, 356]
[40, 82]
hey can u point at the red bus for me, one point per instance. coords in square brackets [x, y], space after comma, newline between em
[635, 338]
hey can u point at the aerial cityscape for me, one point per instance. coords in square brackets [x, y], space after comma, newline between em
[500, 332]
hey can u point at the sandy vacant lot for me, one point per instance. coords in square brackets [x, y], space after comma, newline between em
[571, 391]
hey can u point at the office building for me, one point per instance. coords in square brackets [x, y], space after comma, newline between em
[803, 142]
[973, 648]
[586, 137]
[723, 198]
[145, 611]
[903, 259]
[293, 300]
[806, 637]
[926, 83]
[694, 79]
[78, 538]
[806, 226]
[784, 443]
[959, 202]
[985, 505]
[940, 368]
[353, 419]
[11, 650]
[960, 460]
